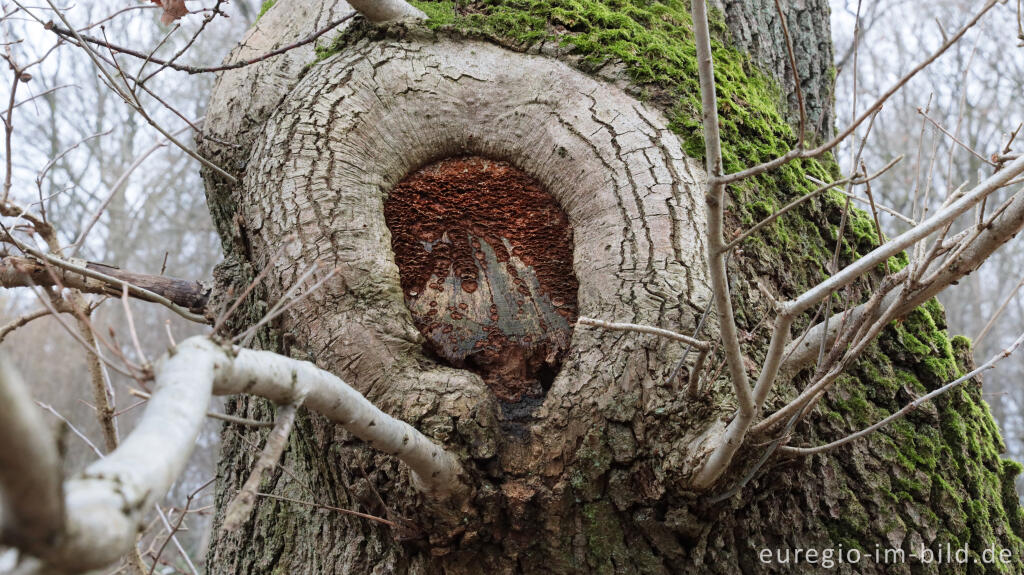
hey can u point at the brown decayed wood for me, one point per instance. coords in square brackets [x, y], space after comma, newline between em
[485, 258]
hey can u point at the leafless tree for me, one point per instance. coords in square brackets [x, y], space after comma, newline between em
[962, 110]
[304, 148]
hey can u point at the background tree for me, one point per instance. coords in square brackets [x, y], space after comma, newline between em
[967, 93]
[135, 201]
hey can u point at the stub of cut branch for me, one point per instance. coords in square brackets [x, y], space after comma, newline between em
[381, 11]
[187, 298]
[105, 506]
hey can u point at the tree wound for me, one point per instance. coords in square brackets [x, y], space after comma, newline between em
[485, 259]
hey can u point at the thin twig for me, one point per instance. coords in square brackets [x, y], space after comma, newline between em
[129, 98]
[796, 76]
[222, 319]
[702, 345]
[241, 504]
[878, 226]
[380, 520]
[82, 38]
[992, 320]
[21, 321]
[116, 187]
[810, 195]
[867, 202]
[172, 536]
[815, 152]
[910, 406]
[73, 429]
[283, 305]
[131, 327]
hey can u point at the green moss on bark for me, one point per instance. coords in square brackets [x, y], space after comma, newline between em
[942, 475]
[653, 43]
[935, 477]
[267, 5]
[944, 480]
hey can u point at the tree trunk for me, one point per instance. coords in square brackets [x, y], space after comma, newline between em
[586, 467]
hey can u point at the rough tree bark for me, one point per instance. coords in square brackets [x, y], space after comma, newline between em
[589, 474]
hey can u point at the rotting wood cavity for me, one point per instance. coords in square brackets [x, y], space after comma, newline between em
[485, 258]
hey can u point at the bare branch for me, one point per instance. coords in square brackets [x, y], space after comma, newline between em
[905, 298]
[240, 507]
[701, 345]
[796, 75]
[845, 133]
[102, 391]
[105, 504]
[173, 537]
[130, 99]
[992, 320]
[67, 33]
[21, 321]
[277, 378]
[184, 297]
[909, 407]
[380, 520]
[714, 199]
[882, 253]
[32, 506]
[810, 195]
[867, 202]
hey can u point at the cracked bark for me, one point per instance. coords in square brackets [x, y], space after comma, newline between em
[594, 478]
[755, 28]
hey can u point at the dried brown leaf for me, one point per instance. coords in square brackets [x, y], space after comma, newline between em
[173, 9]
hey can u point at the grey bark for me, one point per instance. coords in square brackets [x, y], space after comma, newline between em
[593, 478]
[755, 28]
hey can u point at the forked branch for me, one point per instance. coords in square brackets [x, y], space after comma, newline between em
[870, 318]
[105, 506]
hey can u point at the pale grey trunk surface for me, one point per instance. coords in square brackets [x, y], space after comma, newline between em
[592, 480]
